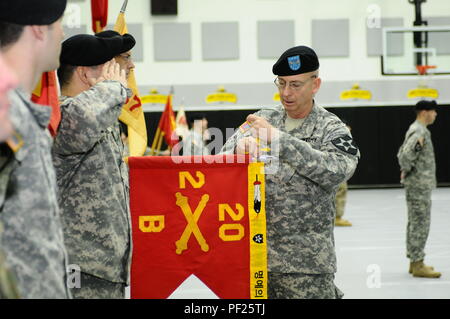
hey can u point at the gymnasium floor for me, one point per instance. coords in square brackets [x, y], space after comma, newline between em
[371, 256]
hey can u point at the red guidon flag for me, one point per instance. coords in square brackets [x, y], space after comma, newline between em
[201, 218]
[99, 13]
[46, 93]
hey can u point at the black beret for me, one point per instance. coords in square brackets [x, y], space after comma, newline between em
[296, 60]
[31, 12]
[90, 50]
[426, 105]
[128, 40]
[197, 116]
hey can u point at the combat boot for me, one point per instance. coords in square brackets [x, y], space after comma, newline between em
[410, 267]
[341, 222]
[419, 269]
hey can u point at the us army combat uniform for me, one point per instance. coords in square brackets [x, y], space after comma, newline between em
[32, 239]
[8, 285]
[341, 199]
[94, 190]
[193, 144]
[314, 159]
[418, 164]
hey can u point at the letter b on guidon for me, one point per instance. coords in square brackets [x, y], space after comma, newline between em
[151, 224]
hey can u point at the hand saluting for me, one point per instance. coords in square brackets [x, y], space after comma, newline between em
[110, 71]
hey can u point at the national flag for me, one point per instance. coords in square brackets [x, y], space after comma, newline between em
[132, 113]
[99, 10]
[46, 93]
[200, 221]
[245, 127]
[166, 128]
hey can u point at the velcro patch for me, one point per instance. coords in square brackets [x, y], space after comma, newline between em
[418, 147]
[345, 143]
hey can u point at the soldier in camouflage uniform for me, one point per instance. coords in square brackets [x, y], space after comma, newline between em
[92, 176]
[194, 142]
[418, 175]
[341, 200]
[30, 36]
[315, 154]
[8, 286]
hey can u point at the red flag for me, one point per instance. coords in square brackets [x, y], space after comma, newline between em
[200, 220]
[166, 128]
[46, 93]
[99, 10]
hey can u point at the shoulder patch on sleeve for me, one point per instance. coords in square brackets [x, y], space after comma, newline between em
[346, 144]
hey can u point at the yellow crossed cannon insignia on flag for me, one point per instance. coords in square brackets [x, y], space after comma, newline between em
[192, 226]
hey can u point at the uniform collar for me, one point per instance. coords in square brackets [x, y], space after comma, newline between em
[41, 113]
[307, 128]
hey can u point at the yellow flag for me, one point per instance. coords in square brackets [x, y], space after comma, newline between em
[132, 113]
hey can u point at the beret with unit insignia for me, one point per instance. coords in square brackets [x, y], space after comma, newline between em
[296, 60]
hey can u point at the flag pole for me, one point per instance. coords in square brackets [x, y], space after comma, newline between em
[155, 140]
[124, 6]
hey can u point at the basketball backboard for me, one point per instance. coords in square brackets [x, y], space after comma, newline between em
[415, 50]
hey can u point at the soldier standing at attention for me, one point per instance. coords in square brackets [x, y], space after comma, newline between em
[316, 154]
[30, 37]
[8, 286]
[92, 176]
[418, 175]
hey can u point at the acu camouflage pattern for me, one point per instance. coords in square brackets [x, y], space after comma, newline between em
[96, 288]
[415, 161]
[302, 286]
[32, 239]
[419, 219]
[300, 194]
[418, 164]
[93, 181]
[8, 284]
[341, 199]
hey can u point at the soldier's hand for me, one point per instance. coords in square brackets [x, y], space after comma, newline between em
[247, 145]
[110, 71]
[113, 72]
[262, 129]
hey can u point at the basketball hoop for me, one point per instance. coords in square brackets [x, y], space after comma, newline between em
[423, 69]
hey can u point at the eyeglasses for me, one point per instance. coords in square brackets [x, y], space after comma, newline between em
[294, 85]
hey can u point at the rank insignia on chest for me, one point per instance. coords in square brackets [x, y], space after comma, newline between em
[15, 142]
[345, 143]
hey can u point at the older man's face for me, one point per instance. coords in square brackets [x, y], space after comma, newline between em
[8, 81]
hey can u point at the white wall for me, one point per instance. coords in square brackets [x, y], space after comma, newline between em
[250, 69]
